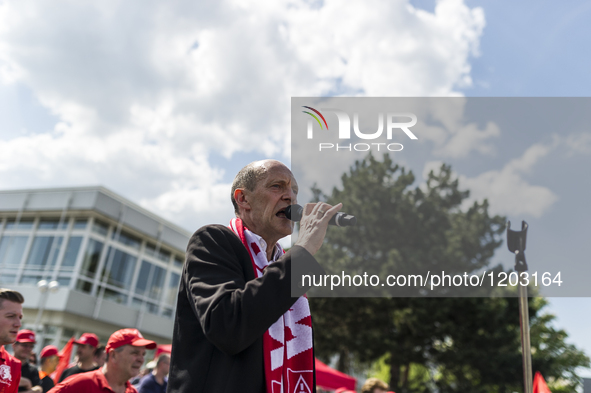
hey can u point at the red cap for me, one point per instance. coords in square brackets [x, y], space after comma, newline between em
[50, 350]
[25, 336]
[128, 337]
[88, 338]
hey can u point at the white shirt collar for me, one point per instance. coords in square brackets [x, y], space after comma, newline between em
[263, 246]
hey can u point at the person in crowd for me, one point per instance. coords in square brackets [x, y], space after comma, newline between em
[11, 313]
[156, 381]
[374, 385]
[125, 350]
[99, 356]
[235, 310]
[49, 361]
[85, 348]
[23, 347]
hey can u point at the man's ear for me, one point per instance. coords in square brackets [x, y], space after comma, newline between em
[241, 199]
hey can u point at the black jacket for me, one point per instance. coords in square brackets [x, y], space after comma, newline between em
[223, 312]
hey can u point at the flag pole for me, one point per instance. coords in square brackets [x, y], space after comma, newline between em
[516, 244]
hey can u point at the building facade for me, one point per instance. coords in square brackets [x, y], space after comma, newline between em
[117, 264]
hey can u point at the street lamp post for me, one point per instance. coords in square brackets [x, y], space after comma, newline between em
[45, 288]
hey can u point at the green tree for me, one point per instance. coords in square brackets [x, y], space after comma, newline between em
[448, 344]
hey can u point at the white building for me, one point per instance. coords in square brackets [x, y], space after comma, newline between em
[117, 264]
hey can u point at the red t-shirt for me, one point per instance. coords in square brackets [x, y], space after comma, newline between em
[88, 382]
[10, 372]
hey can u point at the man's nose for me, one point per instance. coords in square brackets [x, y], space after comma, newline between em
[290, 196]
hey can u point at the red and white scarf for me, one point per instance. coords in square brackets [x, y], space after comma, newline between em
[287, 344]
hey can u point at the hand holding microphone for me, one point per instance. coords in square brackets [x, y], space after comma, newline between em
[314, 221]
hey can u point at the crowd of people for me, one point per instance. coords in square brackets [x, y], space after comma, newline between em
[96, 367]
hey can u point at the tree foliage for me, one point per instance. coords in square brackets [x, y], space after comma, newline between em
[444, 344]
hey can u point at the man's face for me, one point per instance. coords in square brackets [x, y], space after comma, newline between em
[51, 363]
[263, 211]
[11, 314]
[100, 359]
[164, 366]
[129, 361]
[84, 352]
[22, 351]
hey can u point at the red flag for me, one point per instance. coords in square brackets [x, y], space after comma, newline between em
[64, 355]
[540, 384]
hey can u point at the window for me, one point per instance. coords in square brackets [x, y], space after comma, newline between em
[150, 250]
[163, 255]
[64, 281]
[22, 224]
[115, 296]
[52, 224]
[72, 251]
[12, 249]
[144, 276]
[140, 304]
[119, 268]
[157, 284]
[80, 223]
[152, 308]
[44, 251]
[178, 261]
[84, 286]
[100, 228]
[127, 239]
[150, 281]
[173, 288]
[92, 256]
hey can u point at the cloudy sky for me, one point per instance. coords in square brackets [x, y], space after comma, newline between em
[162, 102]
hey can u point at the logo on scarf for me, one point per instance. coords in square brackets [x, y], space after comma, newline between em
[5, 376]
[300, 386]
[393, 122]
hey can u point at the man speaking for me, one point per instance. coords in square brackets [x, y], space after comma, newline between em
[237, 328]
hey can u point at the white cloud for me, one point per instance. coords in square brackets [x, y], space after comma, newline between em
[578, 143]
[445, 123]
[467, 138]
[508, 190]
[147, 91]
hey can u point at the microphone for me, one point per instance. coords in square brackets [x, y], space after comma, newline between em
[295, 212]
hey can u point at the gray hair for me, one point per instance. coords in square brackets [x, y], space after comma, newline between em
[247, 178]
[118, 349]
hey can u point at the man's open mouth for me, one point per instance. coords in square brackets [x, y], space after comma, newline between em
[281, 213]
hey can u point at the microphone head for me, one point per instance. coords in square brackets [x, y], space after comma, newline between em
[294, 212]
